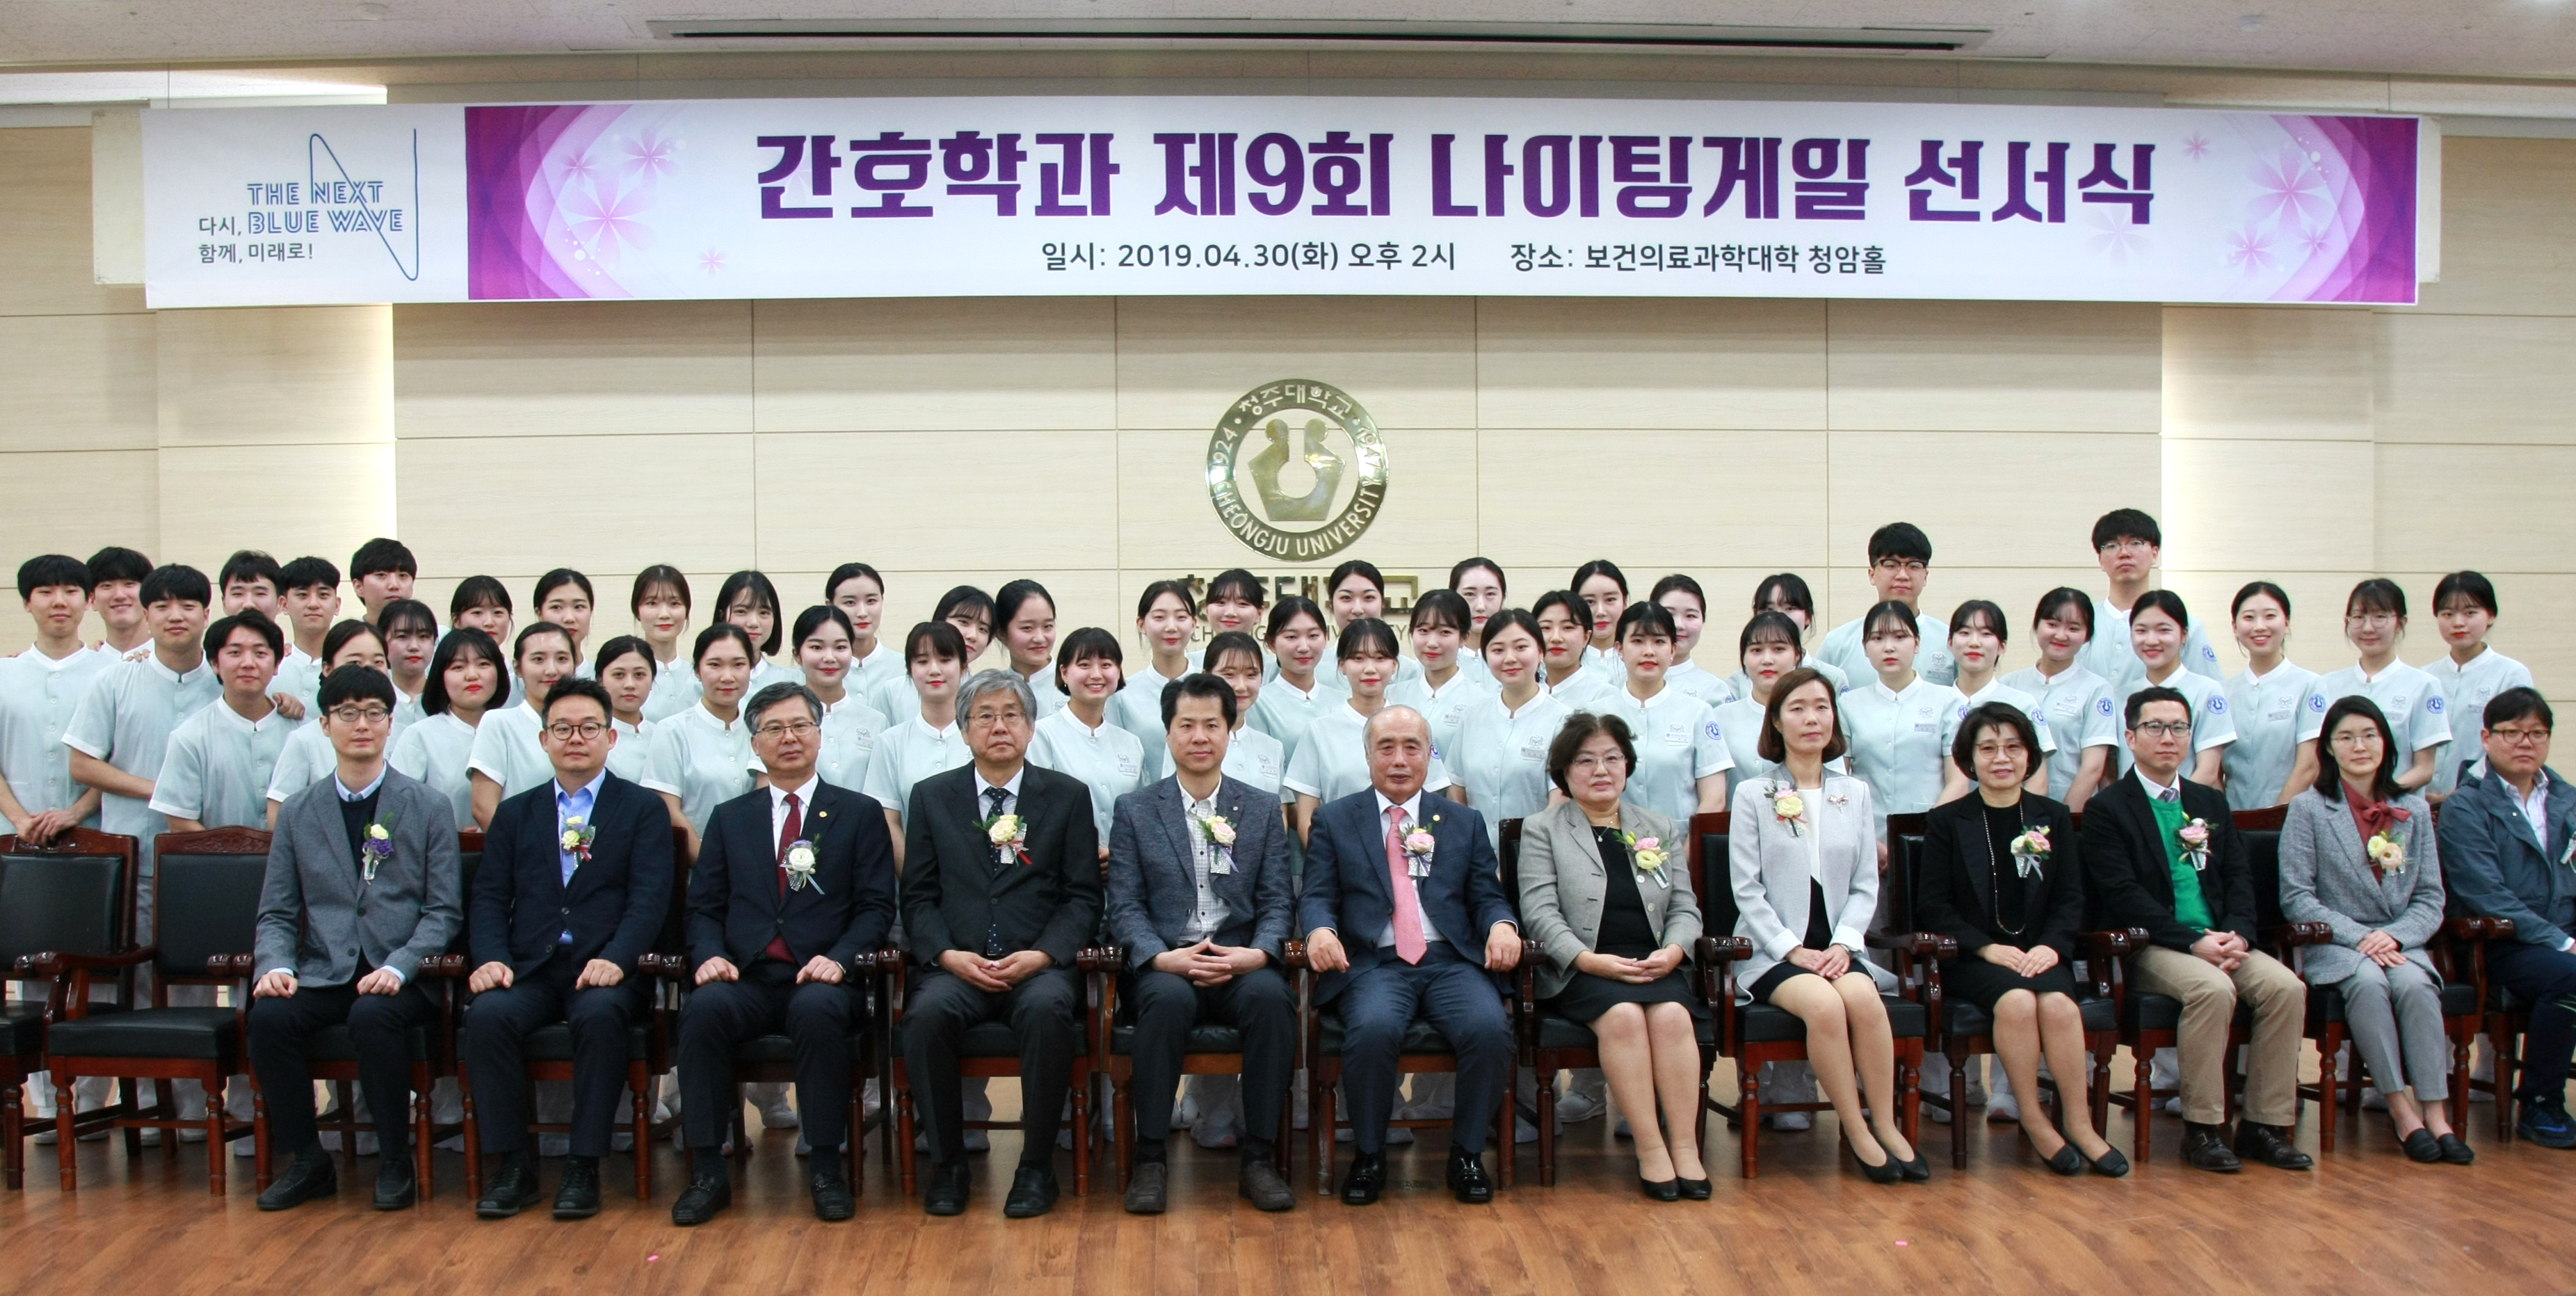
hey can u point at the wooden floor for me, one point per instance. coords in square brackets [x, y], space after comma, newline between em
[2367, 1220]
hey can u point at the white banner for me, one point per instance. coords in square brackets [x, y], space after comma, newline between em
[748, 198]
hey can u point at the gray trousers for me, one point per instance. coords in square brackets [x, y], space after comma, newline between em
[2396, 1013]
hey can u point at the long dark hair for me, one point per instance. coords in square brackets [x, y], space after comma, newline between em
[2383, 781]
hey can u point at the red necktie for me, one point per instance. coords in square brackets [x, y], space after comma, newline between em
[1408, 907]
[787, 833]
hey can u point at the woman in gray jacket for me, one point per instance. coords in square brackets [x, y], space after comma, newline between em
[1605, 892]
[2357, 854]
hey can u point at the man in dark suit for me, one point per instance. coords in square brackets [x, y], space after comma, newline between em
[1001, 888]
[2161, 853]
[1397, 924]
[574, 887]
[792, 889]
[2508, 838]
[1200, 897]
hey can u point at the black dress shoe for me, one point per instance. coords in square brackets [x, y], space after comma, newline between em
[1147, 1187]
[1266, 1188]
[2204, 1147]
[1365, 1179]
[1467, 1178]
[305, 1180]
[1032, 1193]
[2110, 1165]
[2421, 1147]
[1888, 1170]
[945, 1194]
[396, 1185]
[706, 1195]
[1696, 1189]
[833, 1200]
[2269, 1145]
[1668, 1190]
[513, 1189]
[2455, 1149]
[577, 1197]
[1917, 1170]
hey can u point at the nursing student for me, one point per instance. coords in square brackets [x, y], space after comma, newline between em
[1479, 581]
[1767, 648]
[2374, 621]
[748, 599]
[701, 757]
[1297, 640]
[2471, 674]
[1900, 565]
[1024, 620]
[39, 690]
[1565, 648]
[467, 681]
[1682, 757]
[926, 740]
[1355, 591]
[1682, 596]
[117, 597]
[120, 732]
[2082, 719]
[859, 592]
[1251, 756]
[660, 601]
[626, 669]
[2128, 544]
[1080, 739]
[1166, 617]
[2265, 700]
[564, 597]
[306, 755]
[1900, 725]
[217, 770]
[508, 759]
[1332, 761]
[483, 603]
[249, 579]
[1236, 603]
[1500, 757]
[1604, 591]
[824, 642]
[382, 570]
[967, 610]
[2158, 634]
[1445, 691]
[1787, 593]
[410, 632]
[308, 601]
[1977, 638]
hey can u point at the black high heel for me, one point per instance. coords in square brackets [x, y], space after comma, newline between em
[1885, 1172]
[1917, 1170]
[2068, 1161]
[1668, 1190]
[1696, 1189]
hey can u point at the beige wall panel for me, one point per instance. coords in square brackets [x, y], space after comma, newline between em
[2504, 222]
[1958, 485]
[45, 262]
[2280, 505]
[478, 505]
[2316, 613]
[1669, 500]
[553, 369]
[2001, 366]
[912, 363]
[1655, 363]
[340, 495]
[2494, 508]
[1165, 522]
[76, 382]
[907, 499]
[276, 376]
[77, 502]
[1845, 593]
[2271, 372]
[2445, 379]
[1183, 360]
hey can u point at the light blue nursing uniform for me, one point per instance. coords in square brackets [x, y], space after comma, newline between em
[38, 696]
[2026, 702]
[2466, 690]
[766, 672]
[675, 687]
[632, 757]
[1741, 682]
[1700, 682]
[908, 753]
[850, 729]
[700, 758]
[299, 676]
[2111, 654]
[2267, 713]
[308, 758]
[1138, 707]
[2412, 700]
[1678, 742]
[1589, 690]
[1500, 757]
[2080, 715]
[1286, 712]
[1932, 661]
[1050, 699]
[1900, 742]
[1332, 762]
[2213, 721]
[869, 673]
[126, 719]
[506, 750]
[1109, 760]
[436, 752]
[1445, 707]
[219, 764]
[1741, 722]
[1255, 758]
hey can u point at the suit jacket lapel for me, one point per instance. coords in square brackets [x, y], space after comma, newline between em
[1978, 855]
[1583, 838]
[1233, 887]
[327, 809]
[1171, 807]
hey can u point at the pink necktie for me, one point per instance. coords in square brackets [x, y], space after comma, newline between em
[1408, 907]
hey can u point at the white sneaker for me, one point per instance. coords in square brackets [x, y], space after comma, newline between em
[1524, 1130]
[776, 1113]
[1796, 1122]
[2004, 1110]
[1936, 1115]
[1577, 1107]
[621, 1141]
[152, 1138]
[247, 1148]
[456, 1143]
[2372, 1099]
[1396, 1135]
[1185, 1113]
[1217, 1128]
[548, 1145]
[192, 1134]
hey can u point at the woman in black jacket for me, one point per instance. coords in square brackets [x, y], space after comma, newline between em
[1999, 875]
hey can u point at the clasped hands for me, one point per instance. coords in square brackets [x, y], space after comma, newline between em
[1831, 962]
[993, 976]
[1645, 971]
[2223, 949]
[1210, 964]
[2381, 948]
[2023, 962]
[280, 984]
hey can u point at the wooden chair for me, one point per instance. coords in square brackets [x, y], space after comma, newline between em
[1213, 1049]
[989, 1050]
[206, 907]
[2503, 1018]
[1962, 1030]
[1754, 1034]
[64, 907]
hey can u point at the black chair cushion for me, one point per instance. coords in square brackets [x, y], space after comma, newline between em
[69, 903]
[769, 1050]
[207, 905]
[1206, 1037]
[1764, 1024]
[22, 1030]
[1963, 1018]
[1555, 1032]
[333, 1044]
[206, 1034]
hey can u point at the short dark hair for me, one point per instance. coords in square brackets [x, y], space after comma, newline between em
[2377, 594]
[399, 613]
[1465, 565]
[382, 554]
[1679, 583]
[47, 570]
[117, 563]
[577, 687]
[619, 647]
[308, 572]
[1599, 567]
[343, 686]
[553, 580]
[1577, 730]
[813, 619]
[974, 602]
[1567, 601]
[1239, 583]
[1891, 610]
[2383, 780]
[1769, 745]
[2056, 601]
[1785, 587]
[1993, 715]
[1230, 643]
[1366, 633]
[1198, 684]
[757, 585]
[1653, 618]
[339, 635]
[1154, 593]
[1008, 600]
[535, 629]
[1355, 567]
[2518, 704]
[1993, 617]
[657, 576]
[847, 572]
[1900, 540]
[250, 565]
[780, 694]
[2139, 701]
[2473, 586]
[1082, 644]
[2126, 524]
[1508, 618]
[1777, 623]
[1289, 609]
[2161, 600]
[177, 583]
[1442, 607]
[718, 633]
[479, 591]
[253, 620]
[462, 641]
[2261, 588]
[941, 639]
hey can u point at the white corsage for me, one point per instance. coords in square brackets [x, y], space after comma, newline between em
[800, 866]
[1009, 835]
[1648, 854]
[1219, 835]
[577, 837]
[2030, 851]
[2386, 851]
[1418, 845]
[378, 848]
[2194, 837]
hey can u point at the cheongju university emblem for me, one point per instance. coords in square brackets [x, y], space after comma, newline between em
[1298, 489]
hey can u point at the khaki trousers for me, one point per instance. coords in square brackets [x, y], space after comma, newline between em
[2209, 998]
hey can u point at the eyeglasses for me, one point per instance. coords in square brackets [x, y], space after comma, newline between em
[352, 715]
[2165, 728]
[566, 730]
[2519, 737]
[2127, 546]
[1910, 566]
[1610, 764]
[1989, 750]
[2357, 738]
[777, 729]
[983, 719]
[2377, 620]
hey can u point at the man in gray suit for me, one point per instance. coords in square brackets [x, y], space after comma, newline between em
[1200, 898]
[362, 885]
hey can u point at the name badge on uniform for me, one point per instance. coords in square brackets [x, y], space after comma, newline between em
[1535, 748]
[1270, 768]
[2282, 712]
[1126, 765]
[1677, 734]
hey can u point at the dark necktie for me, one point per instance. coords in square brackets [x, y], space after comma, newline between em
[787, 832]
[993, 801]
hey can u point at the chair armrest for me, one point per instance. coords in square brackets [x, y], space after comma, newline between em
[1101, 958]
[2478, 929]
[232, 965]
[1918, 944]
[1714, 950]
[2103, 949]
[1293, 955]
[445, 965]
[54, 963]
[2293, 935]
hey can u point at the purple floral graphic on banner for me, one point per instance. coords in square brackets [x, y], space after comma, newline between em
[561, 200]
[2336, 209]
